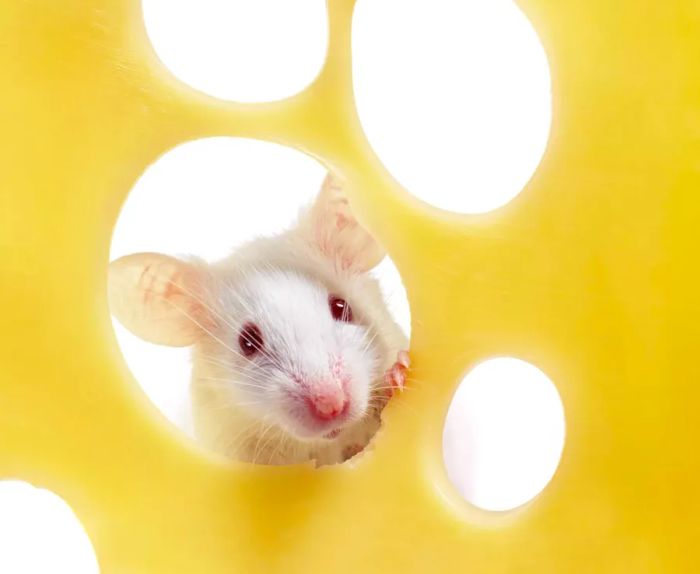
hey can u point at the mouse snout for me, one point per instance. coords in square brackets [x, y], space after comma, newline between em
[328, 402]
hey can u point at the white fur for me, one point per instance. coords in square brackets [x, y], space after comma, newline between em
[252, 408]
[282, 284]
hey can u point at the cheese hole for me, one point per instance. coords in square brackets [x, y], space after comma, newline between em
[504, 434]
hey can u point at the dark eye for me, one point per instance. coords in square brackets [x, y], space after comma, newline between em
[250, 340]
[340, 309]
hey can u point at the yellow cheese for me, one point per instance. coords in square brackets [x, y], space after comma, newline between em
[591, 274]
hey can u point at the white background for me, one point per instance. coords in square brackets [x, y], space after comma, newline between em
[454, 97]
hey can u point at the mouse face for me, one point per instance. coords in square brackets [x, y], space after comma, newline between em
[297, 354]
[290, 333]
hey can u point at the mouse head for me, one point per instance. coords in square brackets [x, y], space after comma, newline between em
[287, 328]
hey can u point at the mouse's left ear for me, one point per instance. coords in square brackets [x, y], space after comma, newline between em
[335, 231]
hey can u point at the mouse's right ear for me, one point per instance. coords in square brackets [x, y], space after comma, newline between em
[159, 298]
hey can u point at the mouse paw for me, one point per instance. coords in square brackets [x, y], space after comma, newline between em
[395, 377]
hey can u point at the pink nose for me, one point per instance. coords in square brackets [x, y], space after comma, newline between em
[328, 404]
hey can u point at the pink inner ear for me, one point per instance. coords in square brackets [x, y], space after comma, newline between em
[187, 288]
[341, 221]
[346, 262]
[176, 286]
[345, 242]
[337, 233]
[160, 282]
[159, 298]
[171, 289]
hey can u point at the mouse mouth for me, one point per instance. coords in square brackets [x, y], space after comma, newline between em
[322, 411]
[310, 429]
[333, 434]
[307, 428]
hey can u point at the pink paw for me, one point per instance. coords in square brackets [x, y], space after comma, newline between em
[395, 377]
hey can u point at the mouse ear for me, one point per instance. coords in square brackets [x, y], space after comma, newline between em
[158, 298]
[337, 233]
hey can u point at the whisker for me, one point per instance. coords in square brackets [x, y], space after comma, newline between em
[231, 383]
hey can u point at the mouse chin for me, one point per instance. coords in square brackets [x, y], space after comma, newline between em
[305, 428]
[305, 431]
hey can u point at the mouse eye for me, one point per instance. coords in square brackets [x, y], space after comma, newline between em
[340, 309]
[250, 340]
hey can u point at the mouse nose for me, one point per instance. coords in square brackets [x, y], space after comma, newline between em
[328, 404]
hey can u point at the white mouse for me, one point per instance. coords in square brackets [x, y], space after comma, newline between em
[294, 351]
